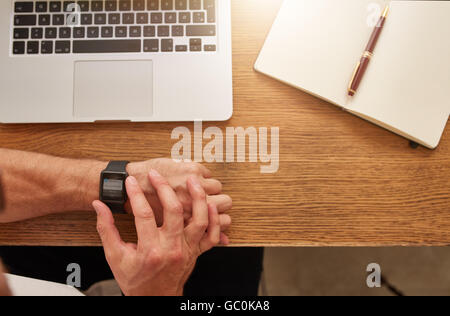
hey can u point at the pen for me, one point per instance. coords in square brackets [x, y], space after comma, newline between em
[361, 66]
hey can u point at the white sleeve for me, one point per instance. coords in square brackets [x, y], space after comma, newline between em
[21, 286]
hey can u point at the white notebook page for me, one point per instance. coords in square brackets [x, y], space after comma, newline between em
[407, 85]
[314, 45]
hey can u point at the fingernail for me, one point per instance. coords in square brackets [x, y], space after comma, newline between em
[132, 180]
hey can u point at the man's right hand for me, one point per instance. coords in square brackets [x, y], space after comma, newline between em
[163, 259]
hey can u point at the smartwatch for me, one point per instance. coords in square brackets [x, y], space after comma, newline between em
[112, 186]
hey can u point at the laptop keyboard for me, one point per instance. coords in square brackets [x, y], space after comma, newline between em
[114, 26]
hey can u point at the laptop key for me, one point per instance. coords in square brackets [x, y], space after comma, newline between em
[23, 7]
[170, 17]
[55, 6]
[125, 5]
[93, 32]
[100, 19]
[111, 5]
[128, 18]
[97, 6]
[135, 31]
[107, 46]
[156, 18]
[84, 6]
[65, 32]
[19, 48]
[107, 31]
[184, 17]
[210, 48]
[151, 46]
[25, 20]
[138, 5]
[195, 44]
[167, 5]
[142, 18]
[149, 31]
[195, 41]
[21, 33]
[79, 32]
[62, 47]
[181, 5]
[163, 31]
[210, 7]
[58, 19]
[200, 30]
[44, 19]
[181, 48]
[199, 17]
[177, 30]
[33, 47]
[50, 32]
[195, 4]
[41, 6]
[68, 6]
[46, 47]
[167, 45]
[121, 31]
[37, 33]
[153, 5]
[114, 18]
[86, 19]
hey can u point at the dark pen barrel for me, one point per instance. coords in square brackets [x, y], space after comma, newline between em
[367, 55]
[375, 35]
[359, 75]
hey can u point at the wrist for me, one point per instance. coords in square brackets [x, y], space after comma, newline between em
[90, 183]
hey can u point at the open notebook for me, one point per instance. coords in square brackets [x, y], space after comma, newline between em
[314, 46]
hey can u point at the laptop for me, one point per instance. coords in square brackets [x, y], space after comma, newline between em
[115, 60]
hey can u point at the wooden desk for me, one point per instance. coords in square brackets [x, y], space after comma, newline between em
[341, 182]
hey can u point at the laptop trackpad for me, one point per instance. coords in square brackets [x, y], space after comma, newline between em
[113, 90]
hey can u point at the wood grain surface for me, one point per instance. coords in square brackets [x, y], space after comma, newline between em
[342, 181]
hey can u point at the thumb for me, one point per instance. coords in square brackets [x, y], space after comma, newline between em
[111, 240]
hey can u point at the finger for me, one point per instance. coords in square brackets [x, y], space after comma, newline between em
[223, 202]
[172, 208]
[225, 221]
[206, 173]
[212, 237]
[112, 243]
[224, 240]
[211, 186]
[200, 217]
[144, 217]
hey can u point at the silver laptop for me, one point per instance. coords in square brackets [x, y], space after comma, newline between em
[115, 60]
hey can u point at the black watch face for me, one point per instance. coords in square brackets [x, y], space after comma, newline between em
[113, 187]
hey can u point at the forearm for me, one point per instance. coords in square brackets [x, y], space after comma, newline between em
[36, 185]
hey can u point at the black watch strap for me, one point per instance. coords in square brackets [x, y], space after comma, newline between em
[117, 166]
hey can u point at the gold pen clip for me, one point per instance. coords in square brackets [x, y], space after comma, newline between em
[353, 77]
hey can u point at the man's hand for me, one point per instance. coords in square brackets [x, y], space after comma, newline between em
[177, 174]
[164, 257]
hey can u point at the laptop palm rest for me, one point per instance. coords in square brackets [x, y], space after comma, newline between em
[113, 90]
